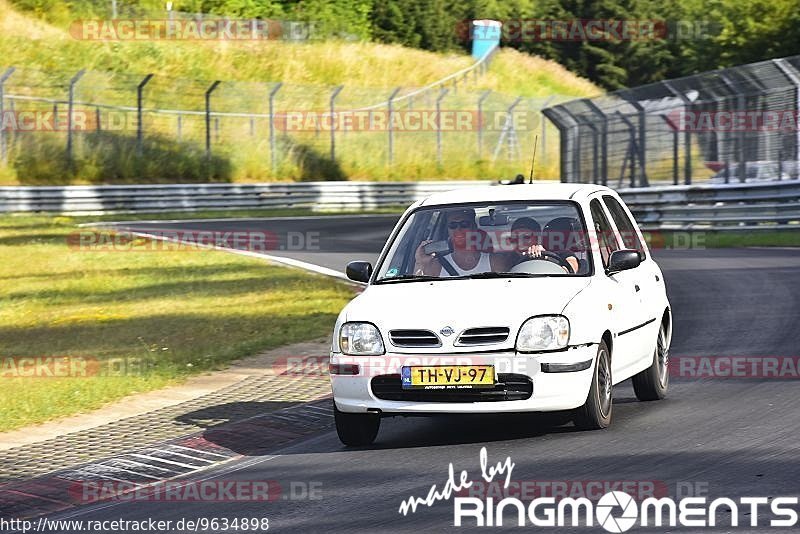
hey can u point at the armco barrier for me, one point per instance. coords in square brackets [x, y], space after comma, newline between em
[189, 197]
[719, 207]
[751, 206]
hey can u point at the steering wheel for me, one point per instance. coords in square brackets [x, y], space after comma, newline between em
[551, 257]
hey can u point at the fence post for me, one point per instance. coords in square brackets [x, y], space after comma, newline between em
[391, 128]
[577, 164]
[208, 117]
[794, 76]
[642, 143]
[674, 127]
[508, 133]
[3, 148]
[272, 155]
[595, 164]
[687, 137]
[335, 92]
[631, 152]
[139, 117]
[180, 127]
[70, 105]
[603, 140]
[442, 93]
[544, 130]
[483, 97]
[552, 114]
[740, 145]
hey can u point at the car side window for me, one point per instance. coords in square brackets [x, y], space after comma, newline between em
[627, 230]
[606, 239]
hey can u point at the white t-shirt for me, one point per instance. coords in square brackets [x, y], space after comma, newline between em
[484, 265]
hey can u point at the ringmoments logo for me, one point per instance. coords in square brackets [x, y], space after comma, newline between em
[615, 511]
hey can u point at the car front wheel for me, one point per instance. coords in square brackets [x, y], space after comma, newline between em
[596, 412]
[356, 429]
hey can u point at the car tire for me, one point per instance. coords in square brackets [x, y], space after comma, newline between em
[356, 429]
[652, 383]
[596, 412]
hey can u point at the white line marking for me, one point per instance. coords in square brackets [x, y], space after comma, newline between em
[197, 451]
[318, 269]
[135, 473]
[162, 460]
[101, 475]
[173, 453]
[141, 464]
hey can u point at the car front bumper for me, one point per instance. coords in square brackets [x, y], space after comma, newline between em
[560, 381]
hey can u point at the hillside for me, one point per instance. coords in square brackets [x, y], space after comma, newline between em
[49, 55]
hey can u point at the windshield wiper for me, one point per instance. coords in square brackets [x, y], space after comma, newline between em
[409, 278]
[492, 274]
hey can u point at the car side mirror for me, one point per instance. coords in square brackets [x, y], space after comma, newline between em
[622, 260]
[359, 271]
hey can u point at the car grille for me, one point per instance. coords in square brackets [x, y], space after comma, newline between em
[508, 387]
[414, 338]
[483, 336]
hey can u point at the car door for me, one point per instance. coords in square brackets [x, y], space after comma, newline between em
[649, 277]
[623, 293]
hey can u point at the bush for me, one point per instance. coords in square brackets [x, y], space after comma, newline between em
[112, 158]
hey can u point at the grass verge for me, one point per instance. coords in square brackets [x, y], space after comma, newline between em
[143, 320]
[788, 236]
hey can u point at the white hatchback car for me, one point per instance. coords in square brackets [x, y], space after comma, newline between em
[494, 299]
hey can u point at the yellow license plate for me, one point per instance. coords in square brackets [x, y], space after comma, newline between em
[447, 377]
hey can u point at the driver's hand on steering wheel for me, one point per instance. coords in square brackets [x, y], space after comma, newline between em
[534, 251]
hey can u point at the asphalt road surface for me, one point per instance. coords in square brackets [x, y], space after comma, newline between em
[720, 437]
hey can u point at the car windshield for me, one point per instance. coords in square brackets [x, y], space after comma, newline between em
[514, 239]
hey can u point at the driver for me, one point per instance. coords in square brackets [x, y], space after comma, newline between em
[466, 258]
[525, 234]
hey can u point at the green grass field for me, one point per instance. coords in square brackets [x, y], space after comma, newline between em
[161, 315]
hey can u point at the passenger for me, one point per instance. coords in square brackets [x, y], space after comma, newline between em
[525, 238]
[467, 256]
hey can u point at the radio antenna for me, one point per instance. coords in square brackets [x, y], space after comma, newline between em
[533, 159]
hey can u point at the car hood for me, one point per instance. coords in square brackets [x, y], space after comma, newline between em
[462, 304]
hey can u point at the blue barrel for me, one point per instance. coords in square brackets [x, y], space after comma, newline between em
[485, 36]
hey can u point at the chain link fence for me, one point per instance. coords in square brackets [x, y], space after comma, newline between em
[733, 125]
[213, 130]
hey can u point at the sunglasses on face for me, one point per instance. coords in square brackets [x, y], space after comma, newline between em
[453, 225]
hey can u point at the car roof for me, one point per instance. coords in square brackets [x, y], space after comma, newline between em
[500, 193]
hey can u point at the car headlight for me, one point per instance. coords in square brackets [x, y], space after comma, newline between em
[360, 339]
[546, 332]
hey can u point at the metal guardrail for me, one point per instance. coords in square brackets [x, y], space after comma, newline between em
[717, 207]
[713, 207]
[190, 197]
